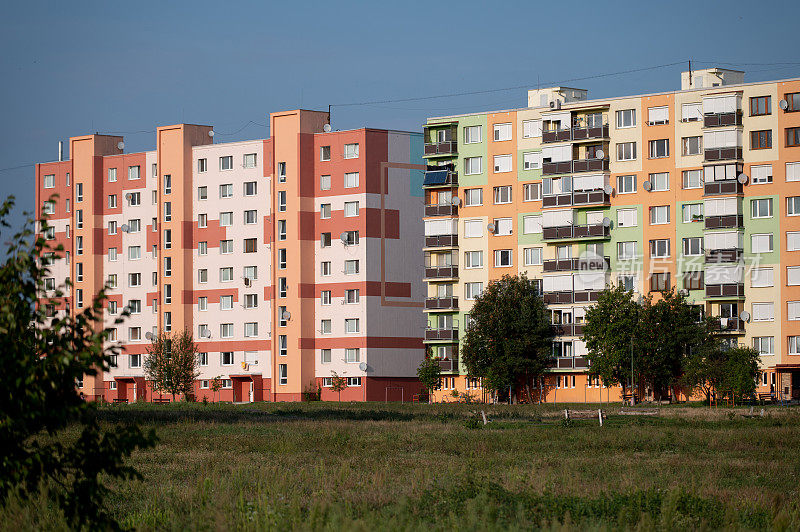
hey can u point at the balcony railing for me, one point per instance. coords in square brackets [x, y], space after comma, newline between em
[448, 147]
[723, 255]
[731, 325]
[441, 210]
[725, 290]
[578, 296]
[576, 133]
[441, 303]
[591, 197]
[715, 188]
[725, 221]
[567, 329]
[441, 241]
[441, 272]
[722, 119]
[441, 334]
[723, 154]
[566, 232]
[577, 264]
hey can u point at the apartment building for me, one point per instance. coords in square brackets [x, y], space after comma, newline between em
[290, 259]
[695, 189]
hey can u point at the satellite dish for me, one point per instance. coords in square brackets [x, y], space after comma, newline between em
[600, 154]
[608, 189]
[491, 228]
[606, 221]
[121, 145]
[148, 335]
[363, 366]
[647, 185]
[456, 201]
[211, 133]
[125, 228]
[343, 237]
[286, 315]
[783, 104]
[742, 178]
[745, 316]
[326, 128]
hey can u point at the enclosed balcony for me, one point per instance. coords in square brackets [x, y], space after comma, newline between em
[441, 303]
[724, 222]
[576, 264]
[725, 290]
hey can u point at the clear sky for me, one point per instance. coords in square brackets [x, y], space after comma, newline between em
[71, 68]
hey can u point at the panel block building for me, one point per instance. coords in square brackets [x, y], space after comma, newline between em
[695, 189]
[291, 258]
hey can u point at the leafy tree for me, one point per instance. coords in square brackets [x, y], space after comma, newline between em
[509, 337]
[172, 363]
[43, 356]
[719, 369]
[430, 375]
[338, 384]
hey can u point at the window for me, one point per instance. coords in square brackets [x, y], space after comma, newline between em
[351, 151]
[502, 258]
[659, 248]
[325, 358]
[324, 239]
[761, 208]
[281, 201]
[350, 208]
[692, 145]
[659, 215]
[202, 221]
[765, 345]
[659, 148]
[325, 326]
[760, 140]
[693, 246]
[660, 181]
[792, 136]
[761, 173]
[692, 179]
[502, 226]
[473, 259]
[793, 99]
[226, 274]
[325, 211]
[351, 180]
[250, 160]
[472, 165]
[472, 134]
[502, 163]
[761, 277]
[760, 105]
[532, 160]
[692, 212]
[532, 192]
[472, 290]
[473, 196]
[627, 218]
[226, 162]
[626, 184]
[225, 219]
[352, 295]
[351, 267]
[50, 181]
[324, 153]
[250, 245]
[626, 118]
[659, 282]
[626, 151]
[531, 128]
[351, 325]
[325, 268]
[502, 195]
[761, 243]
[202, 165]
[502, 132]
[657, 115]
[693, 280]
[533, 256]
[225, 247]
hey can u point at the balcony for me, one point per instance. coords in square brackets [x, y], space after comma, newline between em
[724, 222]
[716, 188]
[441, 303]
[576, 133]
[567, 329]
[576, 264]
[449, 335]
[723, 255]
[440, 177]
[441, 272]
[725, 290]
[448, 364]
[441, 241]
[722, 119]
[441, 210]
[447, 147]
[571, 232]
[579, 296]
[723, 154]
[591, 197]
[731, 325]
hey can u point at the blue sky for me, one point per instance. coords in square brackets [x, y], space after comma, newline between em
[70, 68]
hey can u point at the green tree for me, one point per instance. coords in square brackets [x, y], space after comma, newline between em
[43, 356]
[338, 384]
[430, 375]
[509, 336]
[172, 363]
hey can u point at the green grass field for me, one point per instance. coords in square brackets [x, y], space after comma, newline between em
[411, 467]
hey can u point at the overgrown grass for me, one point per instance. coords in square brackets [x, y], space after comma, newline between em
[331, 466]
